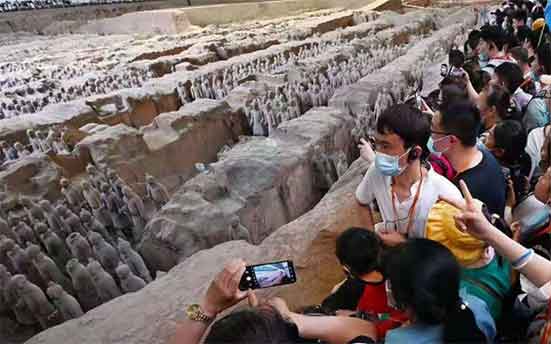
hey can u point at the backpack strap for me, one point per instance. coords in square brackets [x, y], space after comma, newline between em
[484, 286]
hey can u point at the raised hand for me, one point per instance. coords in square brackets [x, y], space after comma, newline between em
[511, 195]
[366, 151]
[471, 219]
[425, 108]
[224, 290]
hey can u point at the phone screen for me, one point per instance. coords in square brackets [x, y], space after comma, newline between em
[268, 275]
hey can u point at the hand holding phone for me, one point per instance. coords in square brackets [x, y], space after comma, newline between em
[268, 275]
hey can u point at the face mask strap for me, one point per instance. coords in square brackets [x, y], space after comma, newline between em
[437, 140]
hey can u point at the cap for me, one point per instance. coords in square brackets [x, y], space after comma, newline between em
[441, 227]
[538, 24]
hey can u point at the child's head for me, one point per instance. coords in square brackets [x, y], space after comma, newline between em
[358, 250]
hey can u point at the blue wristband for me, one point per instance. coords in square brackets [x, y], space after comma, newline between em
[519, 262]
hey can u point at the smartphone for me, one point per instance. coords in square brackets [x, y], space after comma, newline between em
[268, 275]
[418, 101]
[443, 70]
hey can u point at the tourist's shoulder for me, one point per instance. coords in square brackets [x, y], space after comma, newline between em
[441, 183]
[416, 333]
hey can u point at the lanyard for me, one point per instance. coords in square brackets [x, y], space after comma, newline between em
[411, 212]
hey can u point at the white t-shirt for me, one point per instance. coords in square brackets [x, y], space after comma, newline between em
[534, 143]
[375, 186]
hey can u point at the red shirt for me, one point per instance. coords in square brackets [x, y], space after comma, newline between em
[374, 301]
[442, 166]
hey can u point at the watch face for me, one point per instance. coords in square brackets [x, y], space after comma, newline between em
[192, 310]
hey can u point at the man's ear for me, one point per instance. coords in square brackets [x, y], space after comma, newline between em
[453, 139]
[415, 153]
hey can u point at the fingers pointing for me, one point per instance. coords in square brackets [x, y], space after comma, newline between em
[466, 193]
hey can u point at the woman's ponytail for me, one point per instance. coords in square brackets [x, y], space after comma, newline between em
[460, 326]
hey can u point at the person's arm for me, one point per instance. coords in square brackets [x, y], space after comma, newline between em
[365, 197]
[330, 329]
[473, 95]
[223, 293]
[472, 220]
[364, 191]
[511, 201]
[333, 329]
[346, 296]
[189, 332]
[538, 269]
[367, 218]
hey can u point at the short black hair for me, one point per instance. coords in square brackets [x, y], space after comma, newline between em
[511, 41]
[520, 54]
[511, 137]
[485, 78]
[409, 123]
[520, 15]
[359, 249]
[474, 38]
[511, 75]
[499, 97]
[461, 119]
[522, 33]
[456, 58]
[452, 92]
[493, 34]
[253, 326]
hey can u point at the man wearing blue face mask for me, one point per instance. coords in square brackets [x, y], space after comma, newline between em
[400, 181]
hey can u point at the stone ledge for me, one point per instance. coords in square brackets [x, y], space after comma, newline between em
[266, 182]
[151, 315]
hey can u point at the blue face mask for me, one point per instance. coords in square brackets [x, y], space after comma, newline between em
[483, 60]
[389, 165]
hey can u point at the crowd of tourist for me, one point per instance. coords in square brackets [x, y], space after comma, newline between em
[461, 182]
[27, 5]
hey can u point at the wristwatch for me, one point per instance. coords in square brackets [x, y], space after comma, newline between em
[195, 313]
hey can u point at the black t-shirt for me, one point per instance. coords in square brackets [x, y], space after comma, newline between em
[346, 297]
[486, 183]
[519, 172]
